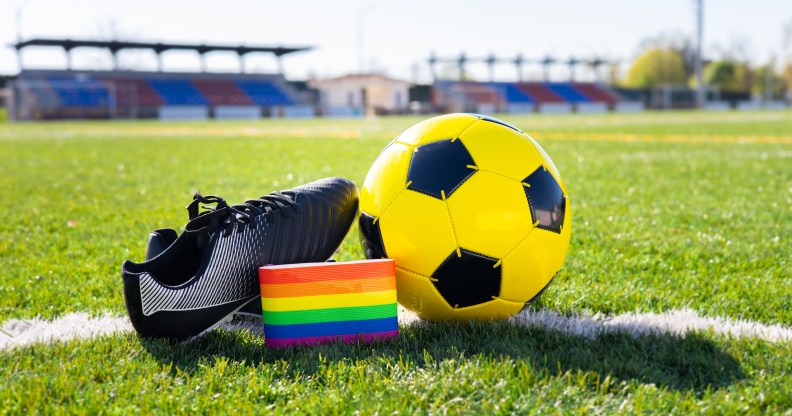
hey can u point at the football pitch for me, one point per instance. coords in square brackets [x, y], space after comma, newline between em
[677, 216]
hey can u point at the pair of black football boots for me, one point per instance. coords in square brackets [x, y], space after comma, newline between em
[192, 282]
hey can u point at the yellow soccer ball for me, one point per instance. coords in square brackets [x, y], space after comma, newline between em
[473, 212]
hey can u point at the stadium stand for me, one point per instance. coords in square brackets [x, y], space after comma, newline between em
[80, 93]
[468, 96]
[540, 93]
[513, 94]
[567, 92]
[596, 93]
[48, 94]
[222, 92]
[264, 93]
[41, 97]
[519, 96]
[52, 94]
[480, 93]
[134, 91]
[178, 92]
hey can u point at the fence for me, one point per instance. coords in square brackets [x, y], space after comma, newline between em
[60, 99]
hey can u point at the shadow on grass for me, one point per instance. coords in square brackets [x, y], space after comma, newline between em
[681, 363]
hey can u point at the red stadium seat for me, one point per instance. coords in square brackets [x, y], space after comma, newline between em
[222, 92]
[539, 92]
[595, 93]
[134, 91]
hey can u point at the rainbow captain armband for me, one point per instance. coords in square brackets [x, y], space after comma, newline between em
[314, 303]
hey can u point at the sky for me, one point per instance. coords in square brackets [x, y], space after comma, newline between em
[393, 37]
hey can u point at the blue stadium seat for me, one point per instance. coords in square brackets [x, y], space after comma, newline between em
[264, 92]
[80, 93]
[178, 92]
[567, 92]
[511, 93]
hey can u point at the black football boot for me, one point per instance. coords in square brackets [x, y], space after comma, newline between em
[192, 282]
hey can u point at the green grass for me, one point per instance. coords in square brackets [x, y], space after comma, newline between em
[697, 213]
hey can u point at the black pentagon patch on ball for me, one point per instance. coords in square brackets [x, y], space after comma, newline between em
[498, 121]
[467, 280]
[440, 167]
[546, 199]
[371, 237]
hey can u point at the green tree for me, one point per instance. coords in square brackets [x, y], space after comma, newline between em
[656, 67]
[765, 80]
[787, 78]
[728, 75]
[679, 42]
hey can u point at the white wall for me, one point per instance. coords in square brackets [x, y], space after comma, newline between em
[555, 108]
[183, 112]
[592, 108]
[237, 112]
[629, 107]
[521, 108]
[348, 93]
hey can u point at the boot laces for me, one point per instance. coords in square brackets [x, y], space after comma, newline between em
[267, 205]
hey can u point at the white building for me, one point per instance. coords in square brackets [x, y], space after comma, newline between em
[359, 94]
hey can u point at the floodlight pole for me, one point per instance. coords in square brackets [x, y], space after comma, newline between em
[361, 16]
[491, 61]
[432, 61]
[18, 20]
[700, 92]
[204, 66]
[546, 71]
[19, 11]
[518, 62]
[768, 82]
[18, 25]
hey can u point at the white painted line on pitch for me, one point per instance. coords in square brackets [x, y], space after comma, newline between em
[674, 322]
[21, 332]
